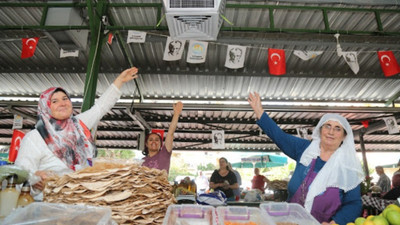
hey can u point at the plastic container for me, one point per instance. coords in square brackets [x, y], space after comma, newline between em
[240, 215]
[9, 197]
[190, 214]
[43, 213]
[286, 212]
[25, 198]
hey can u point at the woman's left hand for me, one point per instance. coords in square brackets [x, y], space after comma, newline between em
[125, 76]
[178, 108]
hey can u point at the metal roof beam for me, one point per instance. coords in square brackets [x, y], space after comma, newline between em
[225, 72]
[24, 115]
[268, 8]
[244, 107]
[143, 124]
[373, 127]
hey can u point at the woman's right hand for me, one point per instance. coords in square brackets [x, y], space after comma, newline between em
[255, 103]
[43, 175]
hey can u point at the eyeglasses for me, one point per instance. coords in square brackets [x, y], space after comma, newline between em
[329, 127]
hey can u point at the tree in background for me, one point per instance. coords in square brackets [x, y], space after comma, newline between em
[208, 167]
[117, 153]
[178, 167]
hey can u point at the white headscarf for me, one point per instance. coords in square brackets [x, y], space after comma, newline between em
[342, 170]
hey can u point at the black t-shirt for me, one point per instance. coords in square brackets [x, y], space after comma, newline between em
[392, 194]
[217, 178]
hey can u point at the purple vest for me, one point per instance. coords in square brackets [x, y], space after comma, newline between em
[325, 205]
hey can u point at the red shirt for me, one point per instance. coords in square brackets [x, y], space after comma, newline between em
[258, 183]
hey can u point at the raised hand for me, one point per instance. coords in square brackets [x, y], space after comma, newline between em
[125, 76]
[178, 108]
[255, 103]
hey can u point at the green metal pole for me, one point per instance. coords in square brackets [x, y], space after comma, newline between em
[326, 20]
[96, 41]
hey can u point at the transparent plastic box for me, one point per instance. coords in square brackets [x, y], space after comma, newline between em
[190, 214]
[239, 215]
[275, 212]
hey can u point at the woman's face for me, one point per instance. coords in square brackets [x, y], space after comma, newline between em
[60, 106]
[153, 143]
[332, 134]
[222, 163]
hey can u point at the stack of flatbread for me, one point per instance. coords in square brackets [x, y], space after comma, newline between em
[135, 194]
[278, 185]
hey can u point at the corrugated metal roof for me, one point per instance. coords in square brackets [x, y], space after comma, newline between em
[297, 26]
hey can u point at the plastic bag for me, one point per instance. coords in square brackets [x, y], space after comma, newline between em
[213, 198]
[253, 196]
[57, 213]
[9, 170]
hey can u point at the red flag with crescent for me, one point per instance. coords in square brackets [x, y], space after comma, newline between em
[389, 63]
[29, 47]
[15, 143]
[110, 38]
[276, 61]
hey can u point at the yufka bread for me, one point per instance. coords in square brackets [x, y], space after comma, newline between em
[135, 194]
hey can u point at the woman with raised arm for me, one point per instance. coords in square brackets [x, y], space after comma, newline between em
[61, 142]
[327, 177]
[158, 154]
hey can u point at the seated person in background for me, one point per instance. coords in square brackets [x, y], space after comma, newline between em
[259, 182]
[186, 187]
[224, 180]
[394, 193]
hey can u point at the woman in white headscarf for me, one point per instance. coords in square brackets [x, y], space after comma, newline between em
[328, 174]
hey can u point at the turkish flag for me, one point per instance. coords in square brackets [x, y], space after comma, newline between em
[388, 62]
[365, 123]
[276, 61]
[28, 47]
[15, 143]
[158, 131]
[110, 38]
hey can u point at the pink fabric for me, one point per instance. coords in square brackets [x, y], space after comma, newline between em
[65, 138]
[159, 161]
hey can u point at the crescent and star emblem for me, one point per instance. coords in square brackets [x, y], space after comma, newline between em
[29, 40]
[275, 54]
[16, 142]
[384, 57]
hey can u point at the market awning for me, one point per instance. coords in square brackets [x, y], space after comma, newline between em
[261, 161]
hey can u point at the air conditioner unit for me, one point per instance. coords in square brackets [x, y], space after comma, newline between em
[194, 19]
[68, 16]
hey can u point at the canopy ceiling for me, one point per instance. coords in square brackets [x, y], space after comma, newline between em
[214, 96]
